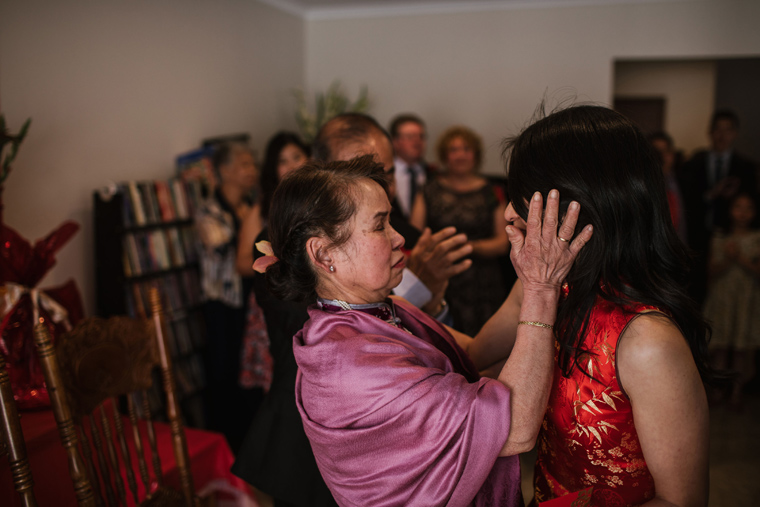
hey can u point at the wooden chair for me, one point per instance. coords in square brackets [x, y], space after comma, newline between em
[93, 366]
[12, 440]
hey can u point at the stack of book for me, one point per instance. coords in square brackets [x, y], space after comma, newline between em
[148, 227]
[152, 202]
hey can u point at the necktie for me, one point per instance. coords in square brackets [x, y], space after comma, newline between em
[719, 163]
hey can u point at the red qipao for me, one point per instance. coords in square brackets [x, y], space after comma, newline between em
[588, 436]
[399, 417]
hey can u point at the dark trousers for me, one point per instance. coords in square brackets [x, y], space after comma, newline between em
[229, 407]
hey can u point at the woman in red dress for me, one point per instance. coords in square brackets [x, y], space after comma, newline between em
[627, 414]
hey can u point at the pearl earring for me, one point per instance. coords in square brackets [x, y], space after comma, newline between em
[332, 269]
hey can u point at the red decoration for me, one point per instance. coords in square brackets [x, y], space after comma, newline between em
[578, 499]
[22, 304]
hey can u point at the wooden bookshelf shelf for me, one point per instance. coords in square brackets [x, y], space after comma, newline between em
[160, 273]
[159, 225]
[145, 237]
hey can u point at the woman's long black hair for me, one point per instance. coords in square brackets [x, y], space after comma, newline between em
[600, 159]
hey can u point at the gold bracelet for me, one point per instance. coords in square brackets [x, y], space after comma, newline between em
[535, 323]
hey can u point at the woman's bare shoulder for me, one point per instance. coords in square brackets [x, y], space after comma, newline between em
[652, 346]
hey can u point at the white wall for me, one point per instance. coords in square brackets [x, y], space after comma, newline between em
[689, 91]
[489, 69]
[117, 89]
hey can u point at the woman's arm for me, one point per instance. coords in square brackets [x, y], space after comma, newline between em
[418, 214]
[497, 244]
[494, 342]
[529, 369]
[249, 230]
[658, 373]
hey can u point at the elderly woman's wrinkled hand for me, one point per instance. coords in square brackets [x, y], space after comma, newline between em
[544, 255]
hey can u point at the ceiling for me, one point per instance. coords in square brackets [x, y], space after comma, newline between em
[327, 9]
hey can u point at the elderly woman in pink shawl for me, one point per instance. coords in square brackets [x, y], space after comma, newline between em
[391, 400]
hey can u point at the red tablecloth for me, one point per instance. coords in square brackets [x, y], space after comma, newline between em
[210, 459]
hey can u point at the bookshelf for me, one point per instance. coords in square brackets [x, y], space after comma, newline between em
[145, 237]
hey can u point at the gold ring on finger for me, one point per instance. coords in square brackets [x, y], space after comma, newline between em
[563, 239]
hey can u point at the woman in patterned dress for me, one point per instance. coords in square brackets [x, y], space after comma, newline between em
[627, 414]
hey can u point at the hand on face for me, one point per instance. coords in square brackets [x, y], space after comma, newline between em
[437, 257]
[543, 255]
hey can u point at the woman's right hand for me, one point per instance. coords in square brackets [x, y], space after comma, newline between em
[543, 256]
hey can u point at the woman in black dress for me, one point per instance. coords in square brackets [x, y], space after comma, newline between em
[461, 197]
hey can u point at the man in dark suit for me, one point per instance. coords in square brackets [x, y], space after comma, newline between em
[710, 180]
[409, 139]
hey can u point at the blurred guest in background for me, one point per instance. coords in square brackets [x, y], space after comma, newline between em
[409, 143]
[218, 223]
[733, 296]
[462, 198]
[285, 152]
[709, 181]
[670, 159]
[275, 456]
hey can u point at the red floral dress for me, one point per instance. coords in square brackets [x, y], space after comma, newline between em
[588, 436]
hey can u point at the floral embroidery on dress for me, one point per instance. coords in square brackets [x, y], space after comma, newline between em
[588, 437]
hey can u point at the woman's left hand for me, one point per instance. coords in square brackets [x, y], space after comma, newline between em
[544, 255]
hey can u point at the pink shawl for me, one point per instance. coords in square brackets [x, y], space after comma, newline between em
[401, 419]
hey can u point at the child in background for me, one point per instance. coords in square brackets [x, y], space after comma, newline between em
[733, 301]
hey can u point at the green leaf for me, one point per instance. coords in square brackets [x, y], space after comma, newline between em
[15, 142]
[326, 106]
